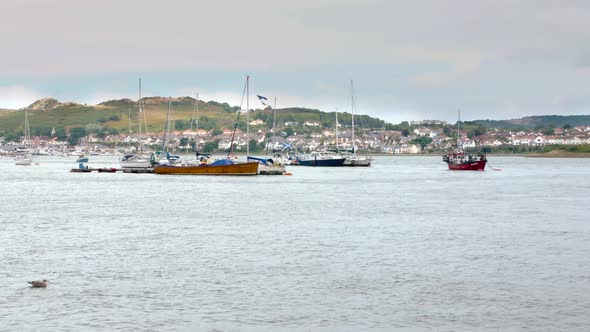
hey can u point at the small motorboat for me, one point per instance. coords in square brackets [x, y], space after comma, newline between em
[82, 159]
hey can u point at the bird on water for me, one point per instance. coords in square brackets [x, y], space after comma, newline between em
[38, 283]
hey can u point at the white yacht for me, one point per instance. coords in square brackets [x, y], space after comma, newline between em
[135, 161]
[23, 156]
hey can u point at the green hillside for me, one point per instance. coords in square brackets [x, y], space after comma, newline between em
[113, 116]
[533, 122]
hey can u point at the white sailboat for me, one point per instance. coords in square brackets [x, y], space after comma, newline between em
[137, 160]
[324, 158]
[355, 160]
[165, 157]
[24, 157]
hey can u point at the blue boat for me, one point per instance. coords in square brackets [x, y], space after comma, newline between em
[322, 159]
[82, 159]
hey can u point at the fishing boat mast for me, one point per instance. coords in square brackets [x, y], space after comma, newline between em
[458, 131]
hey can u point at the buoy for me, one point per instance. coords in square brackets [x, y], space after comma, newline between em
[288, 173]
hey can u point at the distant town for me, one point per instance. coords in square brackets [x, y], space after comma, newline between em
[416, 137]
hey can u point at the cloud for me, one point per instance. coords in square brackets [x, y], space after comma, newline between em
[17, 96]
[431, 56]
[141, 35]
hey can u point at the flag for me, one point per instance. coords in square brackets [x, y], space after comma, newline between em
[287, 146]
[263, 100]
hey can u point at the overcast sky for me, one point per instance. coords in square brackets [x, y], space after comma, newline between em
[409, 60]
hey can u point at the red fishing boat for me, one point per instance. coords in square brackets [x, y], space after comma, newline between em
[458, 160]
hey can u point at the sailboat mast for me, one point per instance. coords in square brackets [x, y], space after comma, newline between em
[139, 117]
[197, 103]
[167, 129]
[274, 123]
[247, 116]
[172, 119]
[27, 132]
[352, 115]
[274, 117]
[129, 120]
[336, 130]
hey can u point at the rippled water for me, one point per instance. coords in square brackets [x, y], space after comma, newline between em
[404, 244]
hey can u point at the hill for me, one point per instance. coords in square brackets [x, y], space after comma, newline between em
[535, 122]
[116, 116]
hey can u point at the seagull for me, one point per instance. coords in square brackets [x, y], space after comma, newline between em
[38, 283]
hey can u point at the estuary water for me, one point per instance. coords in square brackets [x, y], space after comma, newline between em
[402, 245]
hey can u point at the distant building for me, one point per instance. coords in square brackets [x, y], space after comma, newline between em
[428, 122]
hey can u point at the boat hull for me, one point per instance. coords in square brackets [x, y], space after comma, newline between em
[271, 170]
[469, 166]
[323, 162]
[136, 164]
[234, 169]
[358, 162]
[23, 162]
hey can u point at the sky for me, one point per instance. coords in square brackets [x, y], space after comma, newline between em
[409, 60]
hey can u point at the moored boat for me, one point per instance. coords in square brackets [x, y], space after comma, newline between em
[135, 161]
[269, 166]
[219, 167]
[460, 161]
[23, 156]
[82, 159]
[354, 160]
[358, 161]
[322, 159]
[23, 160]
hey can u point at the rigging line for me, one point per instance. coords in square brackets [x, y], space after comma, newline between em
[191, 125]
[231, 143]
[145, 121]
[362, 123]
[193, 115]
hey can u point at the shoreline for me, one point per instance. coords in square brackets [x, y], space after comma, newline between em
[551, 154]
